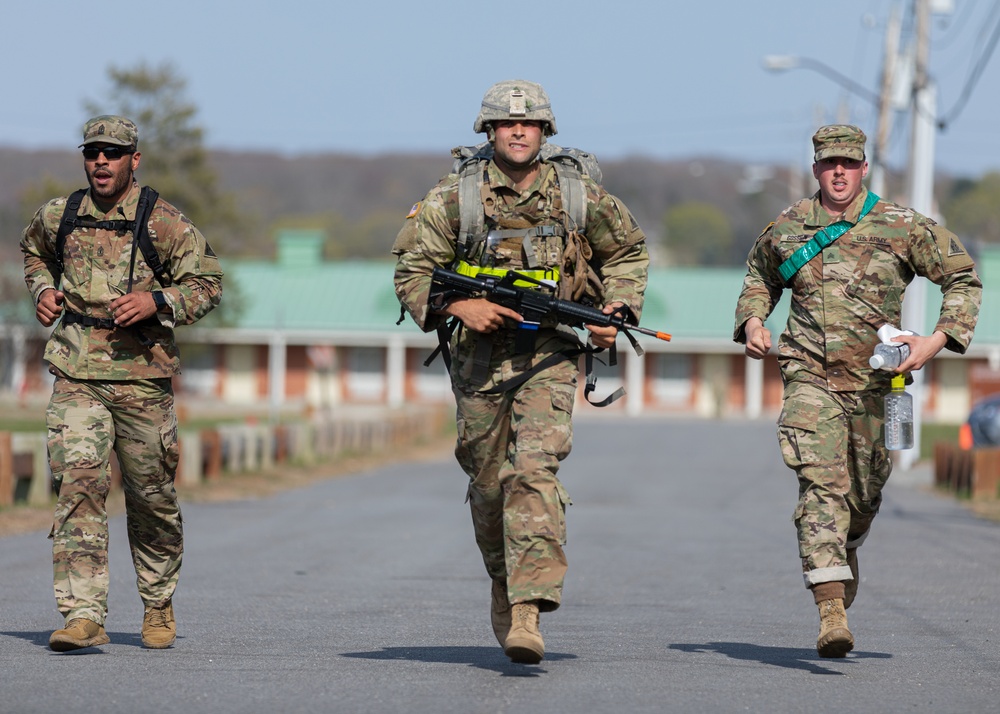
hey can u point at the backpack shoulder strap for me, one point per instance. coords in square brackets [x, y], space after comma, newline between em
[571, 166]
[147, 199]
[68, 223]
[470, 163]
[574, 194]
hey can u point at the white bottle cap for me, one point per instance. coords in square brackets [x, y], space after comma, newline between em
[876, 361]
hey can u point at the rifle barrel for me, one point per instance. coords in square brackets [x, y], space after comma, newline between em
[665, 336]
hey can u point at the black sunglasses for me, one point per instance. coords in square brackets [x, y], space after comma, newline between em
[111, 153]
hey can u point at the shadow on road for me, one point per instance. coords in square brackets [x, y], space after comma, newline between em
[491, 658]
[789, 657]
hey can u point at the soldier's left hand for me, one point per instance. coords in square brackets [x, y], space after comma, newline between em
[132, 308]
[604, 336]
[922, 350]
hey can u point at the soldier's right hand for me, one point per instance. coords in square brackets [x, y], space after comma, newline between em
[49, 306]
[758, 338]
[479, 314]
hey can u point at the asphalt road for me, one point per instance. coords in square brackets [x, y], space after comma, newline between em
[366, 594]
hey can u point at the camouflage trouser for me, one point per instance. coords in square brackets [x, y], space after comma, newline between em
[510, 446]
[834, 442]
[86, 420]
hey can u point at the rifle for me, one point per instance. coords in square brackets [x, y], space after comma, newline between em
[533, 304]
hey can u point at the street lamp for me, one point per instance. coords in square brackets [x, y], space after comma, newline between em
[783, 63]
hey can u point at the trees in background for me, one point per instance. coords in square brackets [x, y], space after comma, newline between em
[174, 159]
[973, 209]
[697, 233]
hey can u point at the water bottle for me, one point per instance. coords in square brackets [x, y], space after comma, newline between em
[889, 354]
[889, 357]
[898, 416]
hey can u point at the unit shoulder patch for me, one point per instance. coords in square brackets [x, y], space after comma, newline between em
[954, 257]
[415, 209]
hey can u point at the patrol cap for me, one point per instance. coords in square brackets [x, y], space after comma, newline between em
[110, 129]
[844, 140]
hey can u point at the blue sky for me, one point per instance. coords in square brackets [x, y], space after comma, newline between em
[630, 77]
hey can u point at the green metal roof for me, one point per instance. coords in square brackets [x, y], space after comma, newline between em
[359, 296]
[319, 296]
[303, 292]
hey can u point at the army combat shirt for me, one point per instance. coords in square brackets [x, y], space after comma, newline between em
[841, 297]
[96, 271]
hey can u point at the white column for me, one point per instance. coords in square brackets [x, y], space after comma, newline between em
[396, 367]
[276, 367]
[754, 372]
[19, 356]
[635, 379]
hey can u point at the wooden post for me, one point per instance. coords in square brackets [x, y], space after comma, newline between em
[986, 473]
[211, 444]
[6, 469]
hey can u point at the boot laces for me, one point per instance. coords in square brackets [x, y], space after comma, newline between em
[833, 616]
[525, 616]
[157, 617]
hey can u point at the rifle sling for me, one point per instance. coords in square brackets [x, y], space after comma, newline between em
[557, 357]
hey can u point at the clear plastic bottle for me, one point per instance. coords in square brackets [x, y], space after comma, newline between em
[898, 416]
[889, 357]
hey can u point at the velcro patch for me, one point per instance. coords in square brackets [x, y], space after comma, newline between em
[415, 210]
[953, 256]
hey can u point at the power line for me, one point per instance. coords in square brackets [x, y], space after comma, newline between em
[974, 76]
[953, 31]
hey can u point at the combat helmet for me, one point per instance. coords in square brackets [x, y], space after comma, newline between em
[515, 99]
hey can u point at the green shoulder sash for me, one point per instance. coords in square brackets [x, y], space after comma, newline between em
[821, 240]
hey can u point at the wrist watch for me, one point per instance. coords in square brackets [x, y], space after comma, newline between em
[161, 302]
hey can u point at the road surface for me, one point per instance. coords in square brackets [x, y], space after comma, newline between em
[366, 594]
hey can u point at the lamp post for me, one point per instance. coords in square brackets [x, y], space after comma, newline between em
[783, 63]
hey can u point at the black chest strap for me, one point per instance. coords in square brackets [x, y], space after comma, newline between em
[139, 228]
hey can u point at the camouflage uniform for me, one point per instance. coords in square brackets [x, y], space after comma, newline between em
[111, 392]
[830, 429]
[511, 444]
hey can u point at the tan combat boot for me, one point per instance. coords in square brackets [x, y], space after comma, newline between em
[524, 644]
[835, 640]
[158, 627]
[500, 611]
[77, 634]
[851, 586]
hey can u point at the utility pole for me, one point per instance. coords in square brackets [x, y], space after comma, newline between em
[877, 182]
[924, 120]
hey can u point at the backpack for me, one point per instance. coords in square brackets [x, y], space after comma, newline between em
[570, 165]
[139, 228]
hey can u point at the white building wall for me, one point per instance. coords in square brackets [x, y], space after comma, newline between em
[952, 402]
[240, 385]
